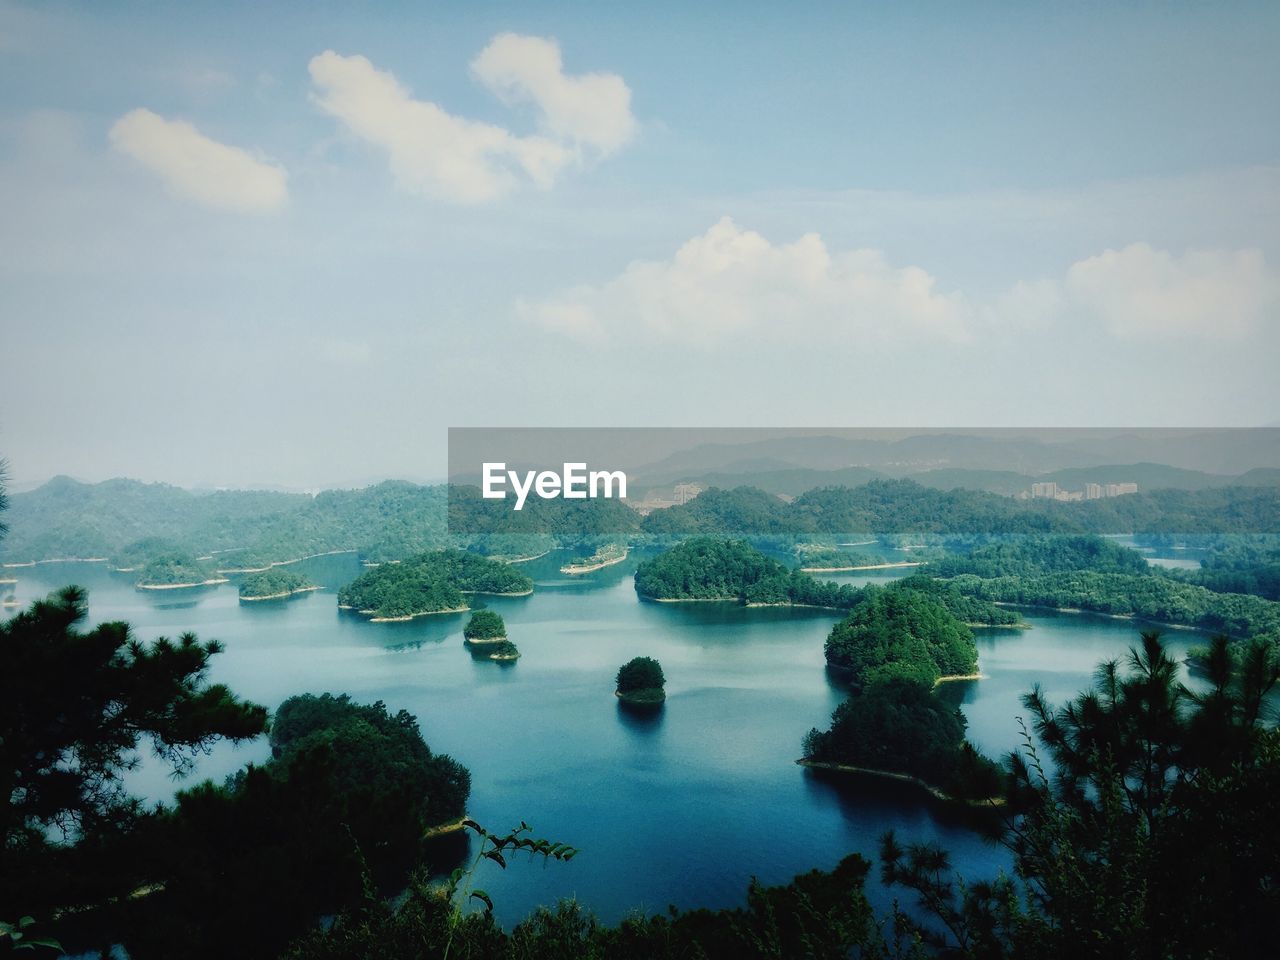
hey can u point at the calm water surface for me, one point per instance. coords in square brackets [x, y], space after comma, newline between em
[682, 808]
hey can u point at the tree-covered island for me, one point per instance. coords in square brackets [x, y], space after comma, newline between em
[817, 558]
[503, 651]
[485, 627]
[434, 582]
[177, 571]
[274, 584]
[640, 682]
[901, 634]
[706, 568]
[896, 645]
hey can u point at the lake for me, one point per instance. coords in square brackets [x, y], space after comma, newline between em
[682, 808]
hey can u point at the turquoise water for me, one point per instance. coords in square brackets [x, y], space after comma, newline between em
[681, 808]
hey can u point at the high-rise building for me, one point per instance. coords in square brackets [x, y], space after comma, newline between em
[1048, 490]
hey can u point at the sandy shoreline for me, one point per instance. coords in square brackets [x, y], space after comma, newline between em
[1132, 617]
[179, 586]
[865, 566]
[282, 563]
[952, 677]
[901, 777]
[36, 563]
[574, 569]
[407, 617]
[536, 556]
[280, 596]
[439, 830]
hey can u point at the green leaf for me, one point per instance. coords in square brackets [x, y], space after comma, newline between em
[483, 898]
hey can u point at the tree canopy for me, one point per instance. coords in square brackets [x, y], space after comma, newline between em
[640, 673]
[901, 633]
[485, 625]
[78, 705]
[429, 583]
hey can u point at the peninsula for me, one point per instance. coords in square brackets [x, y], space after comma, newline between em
[606, 556]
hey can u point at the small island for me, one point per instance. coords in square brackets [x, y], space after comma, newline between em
[706, 568]
[895, 647]
[485, 627]
[429, 583]
[895, 633]
[504, 651]
[640, 683]
[274, 584]
[605, 556]
[898, 728]
[814, 558]
[177, 572]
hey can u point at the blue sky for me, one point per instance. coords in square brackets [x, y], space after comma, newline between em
[293, 245]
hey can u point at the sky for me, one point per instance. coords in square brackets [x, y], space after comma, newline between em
[292, 244]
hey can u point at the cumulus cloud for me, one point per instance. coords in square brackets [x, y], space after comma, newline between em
[432, 152]
[438, 154]
[592, 109]
[200, 168]
[731, 282]
[1140, 291]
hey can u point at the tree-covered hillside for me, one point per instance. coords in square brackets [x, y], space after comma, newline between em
[65, 518]
[903, 506]
[132, 523]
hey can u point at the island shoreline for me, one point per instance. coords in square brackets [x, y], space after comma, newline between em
[935, 792]
[282, 596]
[578, 569]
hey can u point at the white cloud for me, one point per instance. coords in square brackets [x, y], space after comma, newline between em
[432, 152]
[592, 109]
[730, 283]
[1141, 291]
[199, 168]
[438, 154]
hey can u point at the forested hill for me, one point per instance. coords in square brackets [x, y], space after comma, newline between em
[130, 523]
[127, 522]
[903, 506]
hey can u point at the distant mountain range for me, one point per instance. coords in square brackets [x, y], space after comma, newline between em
[1162, 459]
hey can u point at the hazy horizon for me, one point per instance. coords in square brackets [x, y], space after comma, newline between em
[290, 247]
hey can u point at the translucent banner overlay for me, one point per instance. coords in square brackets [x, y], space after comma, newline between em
[826, 484]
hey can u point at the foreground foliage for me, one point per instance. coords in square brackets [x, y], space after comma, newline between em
[1150, 829]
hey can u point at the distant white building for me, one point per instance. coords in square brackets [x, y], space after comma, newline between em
[1049, 490]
